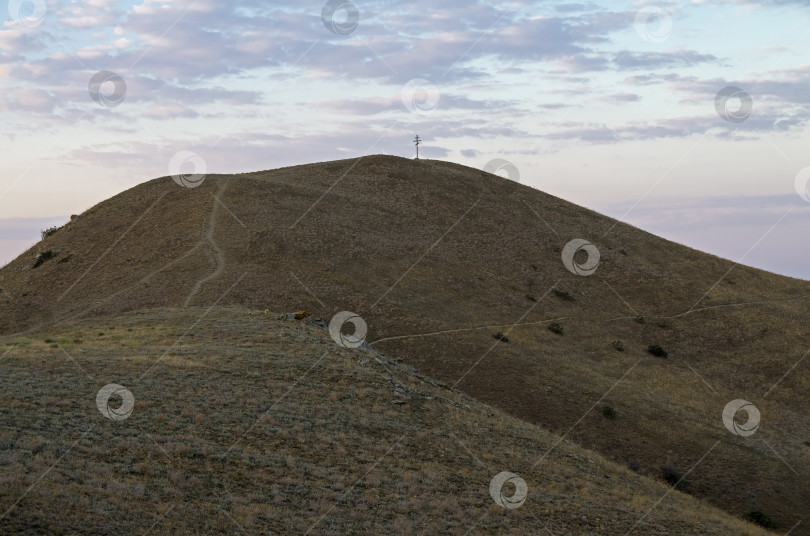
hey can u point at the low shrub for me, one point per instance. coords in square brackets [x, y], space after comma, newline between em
[563, 294]
[657, 351]
[44, 257]
[608, 412]
[760, 518]
[45, 233]
[674, 478]
[501, 337]
[555, 327]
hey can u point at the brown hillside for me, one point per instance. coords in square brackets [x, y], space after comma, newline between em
[437, 258]
[252, 425]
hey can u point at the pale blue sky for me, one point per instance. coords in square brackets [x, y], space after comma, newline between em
[590, 103]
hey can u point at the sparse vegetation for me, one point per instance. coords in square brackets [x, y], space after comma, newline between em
[45, 233]
[657, 351]
[531, 298]
[501, 337]
[639, 319]
[563, 294]
[555, 327]
[618, 345]
[608, 412]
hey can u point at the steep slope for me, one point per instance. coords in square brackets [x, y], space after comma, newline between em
[437, 258]
[244, 424]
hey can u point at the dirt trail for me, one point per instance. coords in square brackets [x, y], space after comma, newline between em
[215, 254]
[510, 326]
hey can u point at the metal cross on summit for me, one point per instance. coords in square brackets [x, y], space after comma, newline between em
[417, 141]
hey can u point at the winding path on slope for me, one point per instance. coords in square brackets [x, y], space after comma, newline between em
[519, 324]
[215, 254]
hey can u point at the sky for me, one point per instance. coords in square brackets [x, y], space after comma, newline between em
[689, 119]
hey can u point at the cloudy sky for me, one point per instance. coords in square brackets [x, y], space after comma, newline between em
[686, 118]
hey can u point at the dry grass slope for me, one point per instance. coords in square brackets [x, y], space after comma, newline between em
[248, 424]
[438, 258]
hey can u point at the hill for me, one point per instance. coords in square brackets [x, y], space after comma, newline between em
[248, 424]
[636, 361]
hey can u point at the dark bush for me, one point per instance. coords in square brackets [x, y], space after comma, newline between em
[555, 327]
[657, 351]
[608, 412]
[673, 477]
[531, 298]
[760, 518]
[618, 345]
[563, 294]
[501, 337]
[43, 257]
[639, 319]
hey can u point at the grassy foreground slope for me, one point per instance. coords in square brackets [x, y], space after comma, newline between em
[244, 423]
